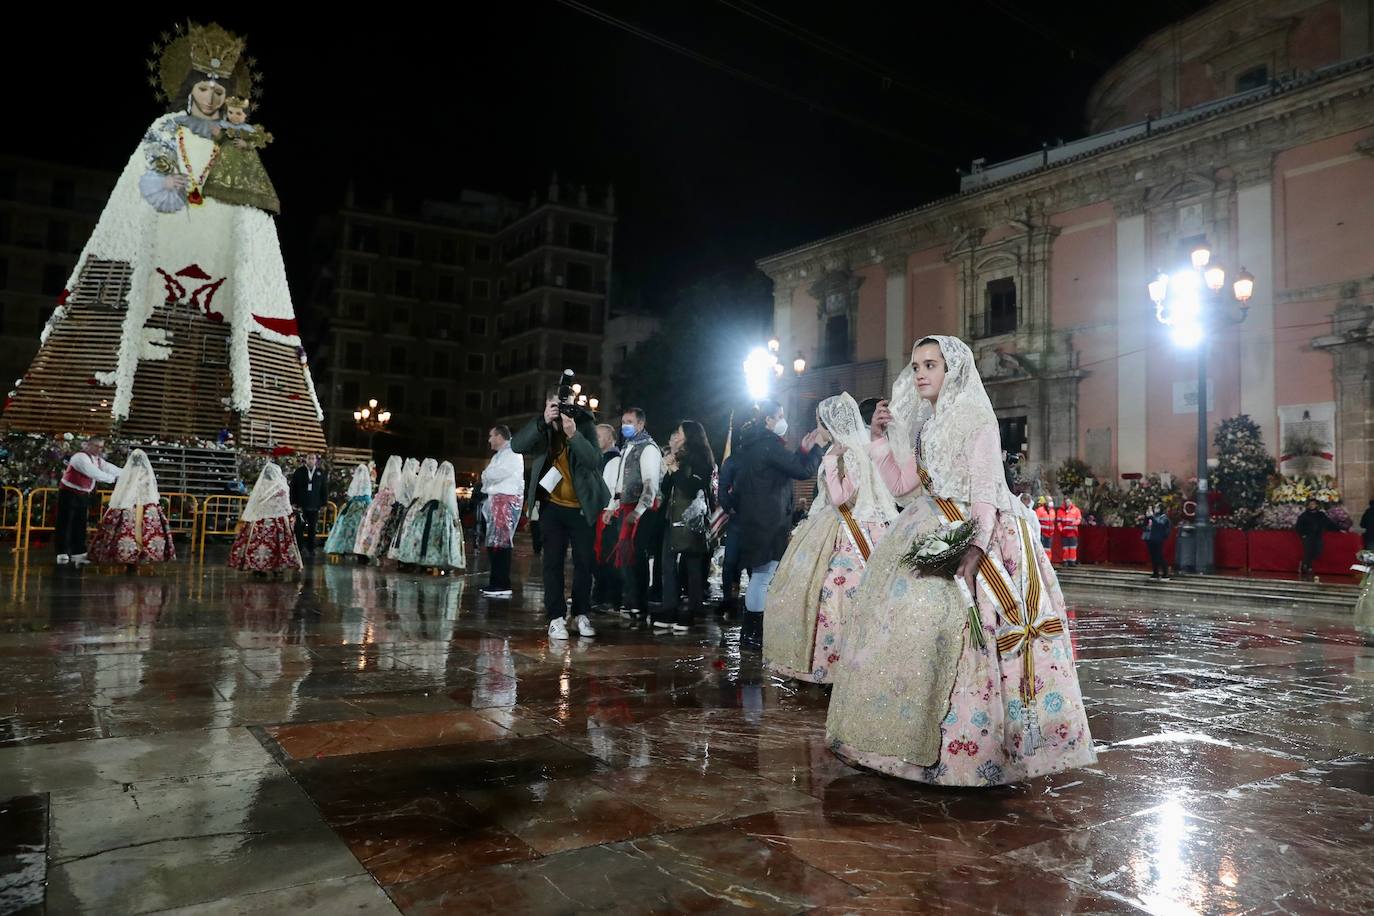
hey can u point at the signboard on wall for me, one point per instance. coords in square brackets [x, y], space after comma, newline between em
[1185, 396]
[1307, 439]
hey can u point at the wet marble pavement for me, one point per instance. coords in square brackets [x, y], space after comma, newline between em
[364, 742]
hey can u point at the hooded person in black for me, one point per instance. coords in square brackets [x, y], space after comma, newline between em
[1311, 525]
[763, 497]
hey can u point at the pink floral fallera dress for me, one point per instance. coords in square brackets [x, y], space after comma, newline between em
[909, 665]
[841, 583]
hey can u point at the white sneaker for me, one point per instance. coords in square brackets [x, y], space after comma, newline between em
[584, 626]
[79, 559]
[497, 592]
[63, 559]
[680, 628]
[662, 624]
[558, 629]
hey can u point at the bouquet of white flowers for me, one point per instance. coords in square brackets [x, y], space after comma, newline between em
[939, 552]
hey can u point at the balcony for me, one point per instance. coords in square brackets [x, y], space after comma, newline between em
[993, 323]
[561, 237]
[540, 279]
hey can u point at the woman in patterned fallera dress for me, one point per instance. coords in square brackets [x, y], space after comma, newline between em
[343, 537]
[918, 694]
[266, 542]
[133, 530]
[811, 594]
[419, 485]
[433, 535]
[373, 536]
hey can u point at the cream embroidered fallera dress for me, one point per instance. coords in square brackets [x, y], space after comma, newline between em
[818, 577]
[914, 696]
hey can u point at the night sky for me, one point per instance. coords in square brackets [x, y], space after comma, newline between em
[835, 115]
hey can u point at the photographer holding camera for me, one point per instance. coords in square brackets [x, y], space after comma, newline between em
[566, 494]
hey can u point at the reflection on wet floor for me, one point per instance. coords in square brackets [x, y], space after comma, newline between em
[365, 741]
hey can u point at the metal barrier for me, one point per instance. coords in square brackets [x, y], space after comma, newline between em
[44, 520]
[329, 513]
[182, 511]
[219, 515]
[39, 513]
[12, 514]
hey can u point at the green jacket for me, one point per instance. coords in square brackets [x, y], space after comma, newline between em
[584, 460]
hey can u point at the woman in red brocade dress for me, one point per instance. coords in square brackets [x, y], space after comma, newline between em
[133, 530]
[266, 542]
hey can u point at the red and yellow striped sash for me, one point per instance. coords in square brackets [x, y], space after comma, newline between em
[1017, 633]
[855, 532]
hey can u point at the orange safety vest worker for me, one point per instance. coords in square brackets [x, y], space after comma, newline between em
[1046, 515]
[1069, 519]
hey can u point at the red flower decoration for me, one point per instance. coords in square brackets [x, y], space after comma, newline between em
[92, 382]
[971, 747]
[839, 580]
[718, 664]
[62, 299]
[293, 396]
[281, 450]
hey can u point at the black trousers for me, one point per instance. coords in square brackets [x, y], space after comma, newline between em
[563, 527]
[70, 528]
[1157, 560]
[648, 538]
[690, 568]
[1311, 549]
[307, 525]
[500, 568]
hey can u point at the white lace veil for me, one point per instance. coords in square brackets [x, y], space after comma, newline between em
[947, 428]
[271, 497]
[840, 415]
[361, 484]
[137, 485]
[391, 474]
[405, 486]
[424, 480]
[444, 487]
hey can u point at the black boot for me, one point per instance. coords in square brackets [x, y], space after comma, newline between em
[751, 632]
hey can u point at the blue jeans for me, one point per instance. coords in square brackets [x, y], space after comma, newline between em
[759, 579]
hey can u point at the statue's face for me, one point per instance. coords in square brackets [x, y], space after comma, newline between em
[237, 116]
[207, 98]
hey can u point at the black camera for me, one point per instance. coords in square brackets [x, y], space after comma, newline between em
[567, 398]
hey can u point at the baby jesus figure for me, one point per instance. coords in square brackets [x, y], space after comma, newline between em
[238, 176]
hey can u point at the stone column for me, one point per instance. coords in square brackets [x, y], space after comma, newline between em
[1132, 331]
[1351, 345]
[1255, 222]
[898, 350]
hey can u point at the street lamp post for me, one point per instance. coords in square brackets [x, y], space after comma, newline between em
[1192, 303]
[371, 418]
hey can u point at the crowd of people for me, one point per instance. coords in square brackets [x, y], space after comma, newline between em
[961, 674]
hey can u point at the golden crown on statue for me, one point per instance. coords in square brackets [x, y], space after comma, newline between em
[214, 51]
[205, 49]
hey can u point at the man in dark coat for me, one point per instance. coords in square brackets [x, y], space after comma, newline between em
[309, 493]
[566, 494]
[763, 495]
[1311, 525]
[1367, 523]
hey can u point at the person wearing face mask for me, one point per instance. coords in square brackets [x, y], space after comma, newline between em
[763, 496]
[635, 506]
